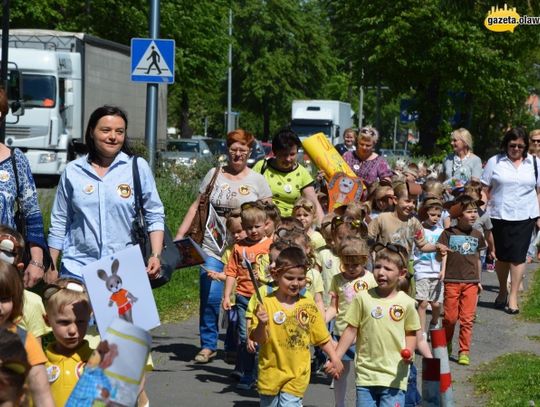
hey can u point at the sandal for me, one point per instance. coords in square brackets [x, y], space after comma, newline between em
[205, 355]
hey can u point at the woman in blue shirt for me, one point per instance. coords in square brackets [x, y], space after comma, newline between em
[94, 208]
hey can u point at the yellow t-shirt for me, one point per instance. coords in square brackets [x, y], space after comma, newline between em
[345, 291]
[314, 282]
[329, 265]
[32, 319]
[381, 324]
[63, 371]
[317, 240]
[285, 359]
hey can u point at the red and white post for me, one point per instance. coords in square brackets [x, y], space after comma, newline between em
[438, 342]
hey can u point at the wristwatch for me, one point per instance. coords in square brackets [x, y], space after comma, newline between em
[37, 264]
[156, 255]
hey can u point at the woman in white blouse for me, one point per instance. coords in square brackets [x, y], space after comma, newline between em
[513, 183]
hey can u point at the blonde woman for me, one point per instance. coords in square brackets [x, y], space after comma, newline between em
[462, 163]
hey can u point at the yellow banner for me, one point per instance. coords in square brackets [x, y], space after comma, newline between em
[325, 156]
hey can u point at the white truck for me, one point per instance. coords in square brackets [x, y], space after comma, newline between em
[65, 76]
[330, 117]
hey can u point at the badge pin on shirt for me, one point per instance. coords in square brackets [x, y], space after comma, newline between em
[4, 176]
[88, 189]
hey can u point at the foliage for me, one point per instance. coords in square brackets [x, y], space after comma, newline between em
[531, 306]
[510, 380]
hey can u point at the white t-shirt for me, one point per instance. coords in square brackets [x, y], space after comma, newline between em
[512, 190]
[425, 264]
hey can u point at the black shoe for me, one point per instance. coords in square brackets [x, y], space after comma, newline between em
[512, 311]
[501, 304]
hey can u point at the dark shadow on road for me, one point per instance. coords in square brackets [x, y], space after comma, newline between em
[246, 403]
[184, 352]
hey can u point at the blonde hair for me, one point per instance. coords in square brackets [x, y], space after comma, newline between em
[64, 296]
[353, 250]
[465, 136]
[308, 205]
[369, 133]
[253, 214]
[434, 188]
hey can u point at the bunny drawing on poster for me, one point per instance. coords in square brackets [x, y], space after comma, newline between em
[123, 298]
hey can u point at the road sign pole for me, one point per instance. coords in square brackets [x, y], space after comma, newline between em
[152, 93]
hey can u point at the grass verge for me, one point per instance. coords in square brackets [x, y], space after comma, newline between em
[530, 310]
[179, 299]
[510, 380]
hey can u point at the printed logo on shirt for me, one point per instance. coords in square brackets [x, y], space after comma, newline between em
[308, 282]
[463, 244]
[124, 190]
[79, 369]
[360, 285]
[397, 312]
[302, 316]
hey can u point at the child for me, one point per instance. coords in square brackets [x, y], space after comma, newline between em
[380, 200]
[11, 251]
[255, 246]
[305, 211]
[273, 215]
[11, 306]
[68, 312]
[461, 269]
[353, 278]
[13, 369]
[384, 322]
[427, 269]
[284, 325]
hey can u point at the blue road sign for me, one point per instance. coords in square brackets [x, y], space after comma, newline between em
[152, 60]
[406, 114]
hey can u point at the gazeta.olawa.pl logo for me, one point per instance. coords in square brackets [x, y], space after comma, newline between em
[507, 19]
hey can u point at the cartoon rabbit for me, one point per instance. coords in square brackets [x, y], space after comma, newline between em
[123, 298]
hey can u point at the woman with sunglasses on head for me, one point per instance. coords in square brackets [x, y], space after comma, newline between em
[513, 186]
[288, 180]
[365, 162]
[20, 187]
[462, 163]
[235, 184]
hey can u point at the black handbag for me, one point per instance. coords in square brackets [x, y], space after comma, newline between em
[20, 223]
[170, 255]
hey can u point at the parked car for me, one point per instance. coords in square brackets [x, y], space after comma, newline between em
[257, 153]
[388, 152]
[268, 149]
[185, 151]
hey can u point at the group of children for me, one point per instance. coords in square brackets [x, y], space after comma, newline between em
[356, 285]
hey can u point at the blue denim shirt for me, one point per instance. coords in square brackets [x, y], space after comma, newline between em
[92, 216]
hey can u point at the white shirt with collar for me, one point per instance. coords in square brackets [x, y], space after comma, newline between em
[512, 190]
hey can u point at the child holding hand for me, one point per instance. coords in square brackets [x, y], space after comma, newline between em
[384, 321]
[284, 325]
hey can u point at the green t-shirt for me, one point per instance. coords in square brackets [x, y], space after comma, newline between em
[286, 187]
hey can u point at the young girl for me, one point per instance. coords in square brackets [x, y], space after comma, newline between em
[13, 369]
[305, 211]
[284, 325]
[11, 305]
[353, 278]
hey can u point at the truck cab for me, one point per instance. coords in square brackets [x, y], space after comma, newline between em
[45, 130]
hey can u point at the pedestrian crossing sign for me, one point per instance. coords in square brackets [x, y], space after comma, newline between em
[152, 60]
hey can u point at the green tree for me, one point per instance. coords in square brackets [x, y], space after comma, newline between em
[282, 51]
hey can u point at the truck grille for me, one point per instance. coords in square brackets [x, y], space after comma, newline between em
[26, 131]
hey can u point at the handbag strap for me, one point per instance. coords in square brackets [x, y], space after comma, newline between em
[210, 186]
[16, 173]
[137, 190]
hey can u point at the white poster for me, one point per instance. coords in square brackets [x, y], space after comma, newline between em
[118, 287]
[216, 229]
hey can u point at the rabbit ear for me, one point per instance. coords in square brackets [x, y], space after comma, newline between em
[102, 274]
[115, 265]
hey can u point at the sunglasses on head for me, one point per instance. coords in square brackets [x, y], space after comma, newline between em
[67, 284]
[307, 206]
[283, 232]
[367, 130]
[395, 248]
[353, 223]
[253, 204]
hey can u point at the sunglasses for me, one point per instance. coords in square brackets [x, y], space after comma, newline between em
[518, 146]
[535, 140]
[307, 206]
[367, 130]
[253, 204]
[66, 284]
[395, 248]
[283, 232]
[353, 223]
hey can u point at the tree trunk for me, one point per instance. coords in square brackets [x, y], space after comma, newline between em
[266, 119]
[429, 119]
[185, 130]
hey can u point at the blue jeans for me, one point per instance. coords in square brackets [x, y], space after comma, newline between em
[378, 396]
[412, 397]
[245, 361]
[281, 400]
[211, 292]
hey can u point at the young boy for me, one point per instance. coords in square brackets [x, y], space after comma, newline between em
[68, 312]
[382, 320]
[427, 269]
[461, 269]
[253, 248]
[284, 325]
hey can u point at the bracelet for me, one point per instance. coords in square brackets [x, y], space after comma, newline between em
[37, 264]
[156, 255]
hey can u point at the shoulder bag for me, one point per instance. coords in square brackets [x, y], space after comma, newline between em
[170, 255]
[198, 224]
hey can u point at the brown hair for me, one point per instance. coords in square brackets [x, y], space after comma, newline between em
[232, 216]
[4, 105]
[353, 250]
[12, 357]
[291, 257]
[11, 286]
[240, 136]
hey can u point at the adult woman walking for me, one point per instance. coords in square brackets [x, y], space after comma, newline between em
[26, 191]
[94, 207]
[288, 180]
[512, 180]
[365, 162]
[462, 163]
[235, 184]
